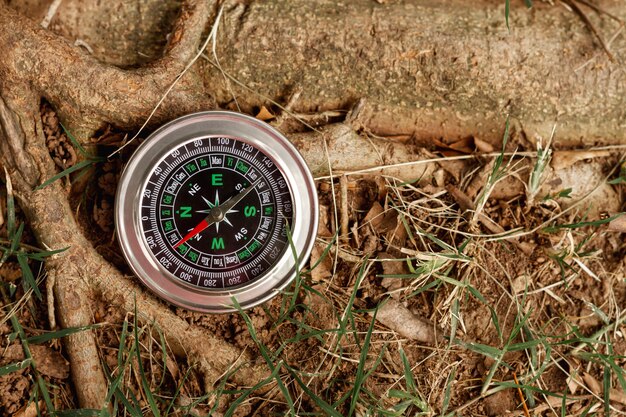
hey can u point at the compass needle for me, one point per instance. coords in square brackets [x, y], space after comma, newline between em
[215, 168]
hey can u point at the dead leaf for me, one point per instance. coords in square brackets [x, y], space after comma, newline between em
[483, 146]
[463, 146]
[30, 410]
[171, 366]
[595, 387]
[618, 224]
[398, 235]
[374, 215]
[324, 222]
[565, 159]
[264, 114]
[323, 268]
[592, 383]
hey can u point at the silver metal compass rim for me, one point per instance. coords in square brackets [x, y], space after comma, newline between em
[215, 124]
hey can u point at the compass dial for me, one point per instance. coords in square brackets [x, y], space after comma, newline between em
[198, 178]
[216, 211]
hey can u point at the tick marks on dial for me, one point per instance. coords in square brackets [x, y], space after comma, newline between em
[215, 186]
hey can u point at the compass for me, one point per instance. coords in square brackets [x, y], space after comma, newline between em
[214, 207]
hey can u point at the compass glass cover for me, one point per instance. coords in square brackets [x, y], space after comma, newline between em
[194, 180]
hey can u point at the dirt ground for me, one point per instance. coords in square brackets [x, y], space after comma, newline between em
[545, 308]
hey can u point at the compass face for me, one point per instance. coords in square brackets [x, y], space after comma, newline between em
[198, 177]
[216, 211]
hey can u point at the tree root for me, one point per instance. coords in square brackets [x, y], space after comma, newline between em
[79, 270]
[53, 68]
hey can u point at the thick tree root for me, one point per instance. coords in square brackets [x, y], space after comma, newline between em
[53, 68]
[79, 269]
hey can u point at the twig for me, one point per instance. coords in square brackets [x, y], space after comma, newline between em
[345, 217]
[51, 12]
[600, 10]
[521, 395]
[591, 27]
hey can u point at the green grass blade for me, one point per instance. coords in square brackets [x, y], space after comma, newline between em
[606, 387]
[360, 377]
[163, 346]
[84, 412]
[448, 391]
[68, 171]
[27, 275]
[486, 350]
[42, 387]
[519, 323]
[454, 321]
[7, 369]
[77, 144]
[42, 255]
[142, 375]
[177, 392]
[524, 345]
[10, 205]
[496, 323]
[59, 334]
[323, 405]
[556, 228]
[15, 243]
[324, 253]
[507, 10]
[408, 373]
[348, 310]
[490, 375]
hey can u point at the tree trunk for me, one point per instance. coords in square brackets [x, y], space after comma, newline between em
[431, 69]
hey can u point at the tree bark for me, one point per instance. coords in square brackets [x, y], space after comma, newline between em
[431, 69]
[427, 69]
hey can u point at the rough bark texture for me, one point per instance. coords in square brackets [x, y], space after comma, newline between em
[106, 93]
[430, 68]
[427, 69]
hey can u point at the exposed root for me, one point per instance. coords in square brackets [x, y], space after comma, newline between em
[107, 94]
[80, 269]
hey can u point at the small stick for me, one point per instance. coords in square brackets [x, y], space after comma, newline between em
[52, 10]
[601, 10]
[343, 186]
[521, 396]
[591, 27]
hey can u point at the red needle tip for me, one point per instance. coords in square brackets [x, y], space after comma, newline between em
[200, 227]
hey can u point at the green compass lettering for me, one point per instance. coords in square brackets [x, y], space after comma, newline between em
[220, 212]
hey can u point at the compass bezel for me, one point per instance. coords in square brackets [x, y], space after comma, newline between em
[199, 126]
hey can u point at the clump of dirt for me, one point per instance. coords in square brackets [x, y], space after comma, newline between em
[59, 145]
[14, 389]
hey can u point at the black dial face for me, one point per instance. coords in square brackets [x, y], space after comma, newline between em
[214, 213]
